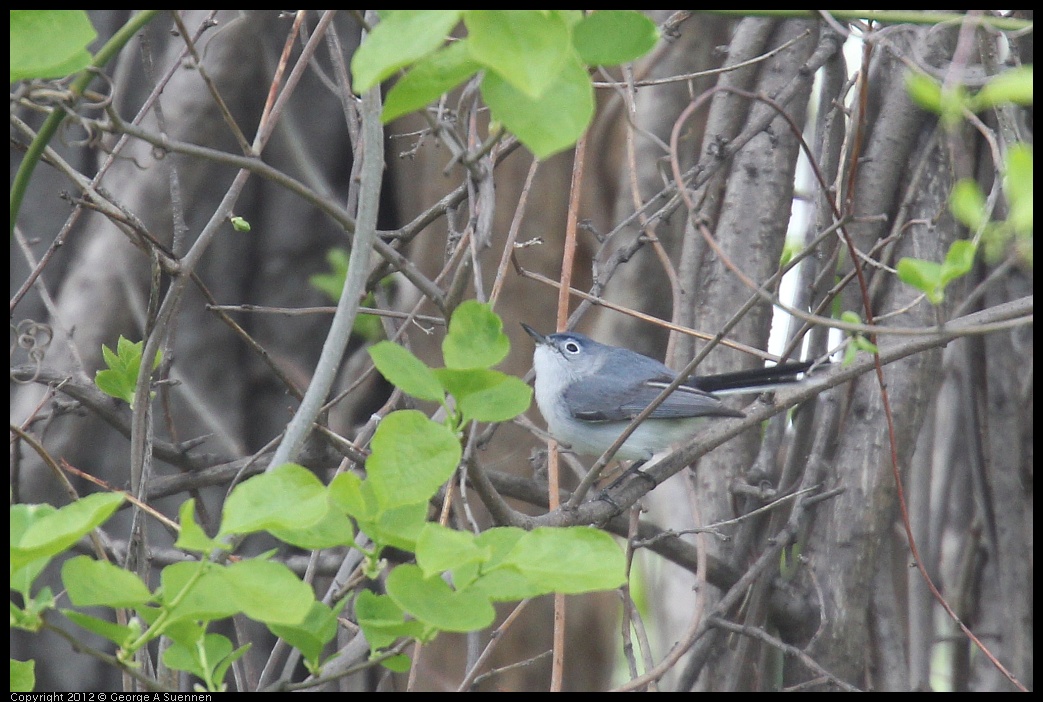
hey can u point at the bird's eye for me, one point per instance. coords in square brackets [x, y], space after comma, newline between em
[572, 347]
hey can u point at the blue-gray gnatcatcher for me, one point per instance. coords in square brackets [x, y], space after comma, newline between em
[589, 392]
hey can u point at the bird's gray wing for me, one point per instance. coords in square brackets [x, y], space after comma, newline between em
[610, 397]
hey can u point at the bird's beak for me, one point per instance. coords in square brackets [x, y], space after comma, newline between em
[540, 338]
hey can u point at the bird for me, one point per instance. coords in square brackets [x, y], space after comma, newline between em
[589, 392]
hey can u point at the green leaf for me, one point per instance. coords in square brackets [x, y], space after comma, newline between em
[411, 458]
[398, 527]
[925, 276]
[223, 663]
[612, 37]
[570, 560]
[931, 95]
[1018, 186]
[350, 494]
[50, 532]
[548, 124]
[22, 578]
[501, 582]
[924, 90]
[269, 592]
[383, 622]
[440, 549]
[861, 343]
[526, 48]
[30, 617]
[179, 656]
[49, 43]
[434, 603]
[184, 631]
[115, 385]
[1013, 86]
[475, 338]
[192, 537]
[406, 372]
[790, 249]
[312, 634]
[967, 204]
[932, 278]
[397, 664]
[504, 583]
[429, 79]
[24, 575]
[191, 594]
[24, 516]
[500, 541]
[92, 583]
[118, 634]
[23, 675]
[111, 359]
[958, 261]
[401, 37]
[288, 497]
[332, 284]
[334, 529]
[121, 377]
[198, 659]
[486, 395]
[850, 317]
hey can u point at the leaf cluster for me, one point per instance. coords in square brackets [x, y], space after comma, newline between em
[533, 64]
[456, 577]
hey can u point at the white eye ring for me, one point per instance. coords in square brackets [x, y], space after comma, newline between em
[572, 347]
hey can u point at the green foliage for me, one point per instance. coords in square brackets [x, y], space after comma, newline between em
[475, 338]
[49, 43]
[475, 341]
[966, 201]
[534, 64]
[950, 102]
[612, 37]
[437, 605]
[121, 635]
[931, 277]
[310, 635]
[485, 395]
[457, 578]
[23, 675]
[331, 284]
[401, 37]
[790, 249]
[51, 48]
[121, 377]
[411, 458]
[91, 583]
[526, 48]
[208, 657]
[385, 622]
[1013, 86]
[38, 534]
[857, 342]
[41, 532]
[407, 372]
[290, 496]
[968, 205]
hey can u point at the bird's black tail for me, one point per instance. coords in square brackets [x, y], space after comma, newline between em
[754, 380]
